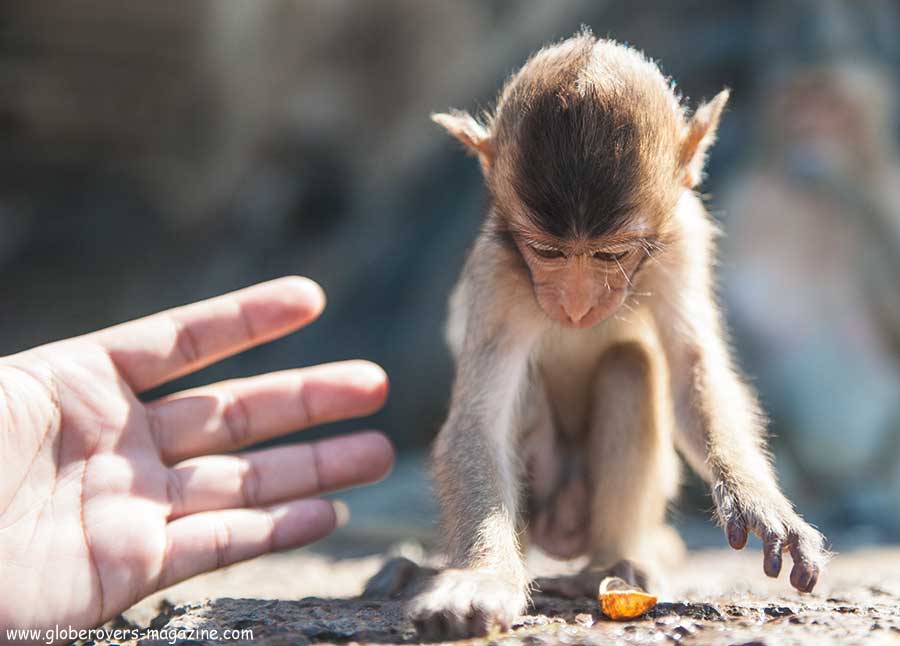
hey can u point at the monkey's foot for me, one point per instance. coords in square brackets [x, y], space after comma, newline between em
[457, 604]
[587, 582]
[399, 578]
[780, 531]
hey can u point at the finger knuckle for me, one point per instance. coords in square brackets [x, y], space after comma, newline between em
[186, 343]
[248, 329]
[304, 407]
[236, 419]
[251, 484]
[222, 541]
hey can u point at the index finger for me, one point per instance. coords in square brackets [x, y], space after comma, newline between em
[161, 347]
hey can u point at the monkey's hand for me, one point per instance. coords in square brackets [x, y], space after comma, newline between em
[467, 603]
[781, 530]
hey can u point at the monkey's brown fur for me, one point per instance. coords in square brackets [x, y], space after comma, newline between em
[589, 345]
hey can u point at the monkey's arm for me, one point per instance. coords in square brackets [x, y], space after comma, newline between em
[720, 425]
[476, 468]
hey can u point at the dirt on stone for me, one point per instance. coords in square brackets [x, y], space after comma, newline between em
[716, 598]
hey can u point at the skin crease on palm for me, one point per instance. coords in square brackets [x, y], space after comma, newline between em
[105, 499]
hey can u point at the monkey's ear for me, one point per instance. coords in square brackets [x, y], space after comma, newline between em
[700, 135]
[473, 134]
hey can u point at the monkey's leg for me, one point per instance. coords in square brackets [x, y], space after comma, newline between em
[558, 509]
[632, 472]
[633, 468]
[399, 578]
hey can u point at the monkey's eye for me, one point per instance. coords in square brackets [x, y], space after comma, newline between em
[546, 252]
[607, 256]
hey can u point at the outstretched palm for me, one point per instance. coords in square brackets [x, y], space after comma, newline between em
[105, 499]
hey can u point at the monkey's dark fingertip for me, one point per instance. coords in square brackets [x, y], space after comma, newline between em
[772, 560]
[737, 534]
[813, 579]
[804, 576]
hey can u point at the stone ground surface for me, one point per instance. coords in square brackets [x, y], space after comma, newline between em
[717, 597]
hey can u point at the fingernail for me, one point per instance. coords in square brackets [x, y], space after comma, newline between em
[341, 512]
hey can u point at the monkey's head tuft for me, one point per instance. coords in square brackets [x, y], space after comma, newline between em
[585, 158]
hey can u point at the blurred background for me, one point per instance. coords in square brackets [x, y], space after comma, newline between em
[153, 154]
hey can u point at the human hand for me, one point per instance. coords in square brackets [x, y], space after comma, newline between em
[105, 499]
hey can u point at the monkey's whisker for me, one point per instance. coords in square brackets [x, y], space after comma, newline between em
[624, 275]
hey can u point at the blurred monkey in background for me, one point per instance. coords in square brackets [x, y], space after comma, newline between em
[812, 273]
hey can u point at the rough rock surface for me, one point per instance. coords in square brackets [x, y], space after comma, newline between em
[716, 598]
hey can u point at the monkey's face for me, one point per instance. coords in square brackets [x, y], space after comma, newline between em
[579, 284]
[585, 159]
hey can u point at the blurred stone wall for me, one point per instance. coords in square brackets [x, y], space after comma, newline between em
[157, 153]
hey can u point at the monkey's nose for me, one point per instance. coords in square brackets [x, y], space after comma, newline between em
[575, 313]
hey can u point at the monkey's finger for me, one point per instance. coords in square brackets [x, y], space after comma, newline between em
[737, 533]
[804, 574]
[272, 475]
[160, 347]
[232, 414]
[772, 549]
[205, 542]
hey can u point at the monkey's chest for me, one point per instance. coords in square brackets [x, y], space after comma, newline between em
[570, 364]
[567, 372]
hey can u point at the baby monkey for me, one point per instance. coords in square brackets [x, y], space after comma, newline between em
[589, 345]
